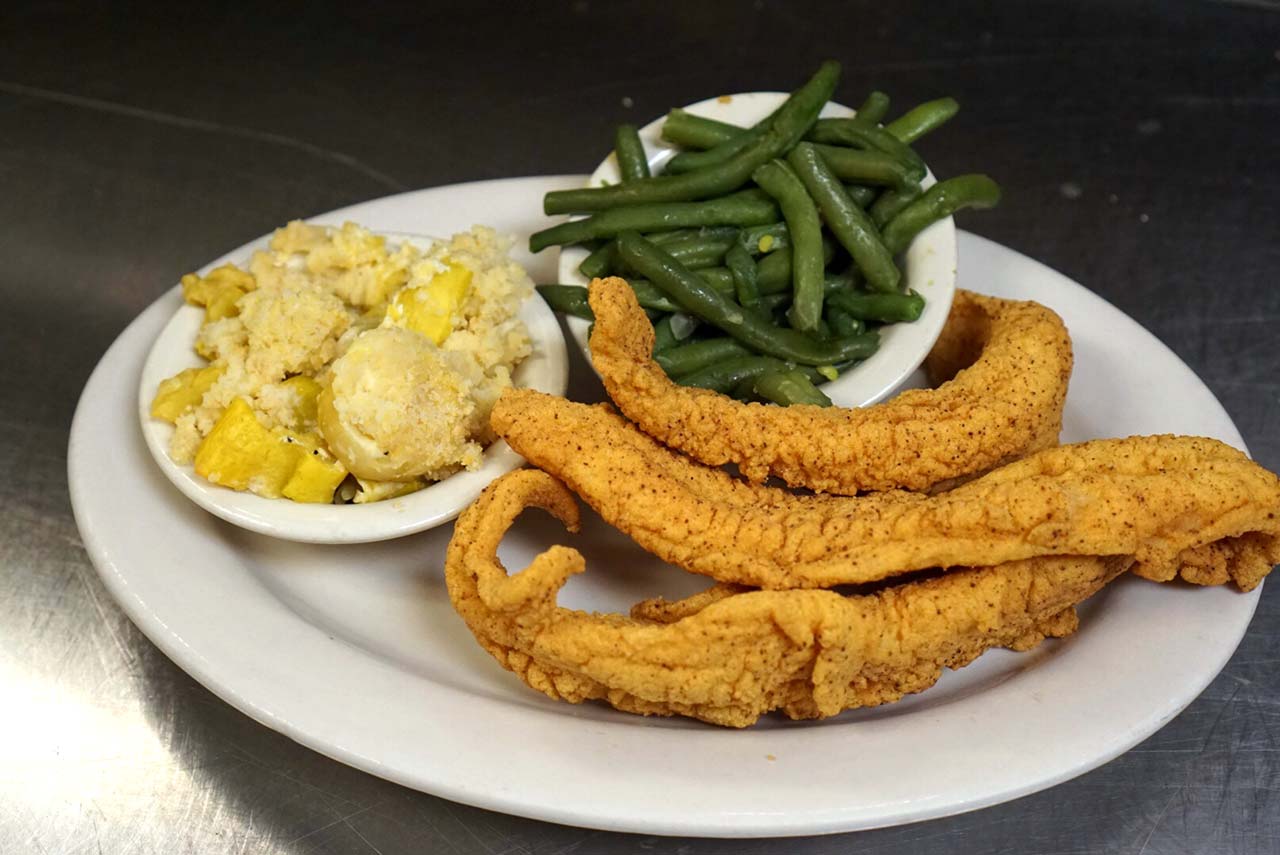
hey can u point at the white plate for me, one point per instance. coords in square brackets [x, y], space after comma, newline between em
[929, 263]
[355, 651]
[546, 369]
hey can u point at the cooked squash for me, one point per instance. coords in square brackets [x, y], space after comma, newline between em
[241, 454]
[183, 391]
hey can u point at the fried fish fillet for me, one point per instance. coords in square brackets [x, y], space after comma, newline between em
[1003, 366]
[728, 656]
[1177, 504]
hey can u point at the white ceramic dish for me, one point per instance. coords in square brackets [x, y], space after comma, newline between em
[546, 369]
[356, 652]
[929, 264]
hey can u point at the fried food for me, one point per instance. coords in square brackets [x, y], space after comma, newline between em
[1003, 366]
[728, 656]
[1176, 504]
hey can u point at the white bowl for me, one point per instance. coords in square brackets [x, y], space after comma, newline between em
[546, 369]
[929, 264]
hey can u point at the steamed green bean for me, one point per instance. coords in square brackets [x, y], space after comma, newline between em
[927, 117]
[849, 132]
[938, 202]
[697, 355]
[747, 208]
[689, 130]
[765, 256]
[863, 166]
[696, 297]
[789, 387]
[785, 128]
[745, 276]
[633, 164]
[780, 182]
[569, 299]
[885, 308]
[849, 223]
[890, 203]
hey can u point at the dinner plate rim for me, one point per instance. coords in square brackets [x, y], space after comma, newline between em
[531, 798]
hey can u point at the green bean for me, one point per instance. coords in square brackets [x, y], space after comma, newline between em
[719, 278]
[770, 303]
[688, 130]
[735, 376]
[604, 259]
[633, 164]
[707, 232]
[784, 129]
[775, 238]
[569, 299]
[865, 167]
[748, 208]
[833, 282]
[861, 195]
[789, 387]
[650, 297]
[849, 132]
[938, 202]
[697, 355]
[746, 391]
[729, 145]
[777, 179]
[873, 110]
[663, 337]
[891, 203]
[696, 252]
[849, 223]
[695, 161]
[572, 299]
[917, 122]
[725, 376]
[698, 298]
[773, 271]
[601, 262]
[843, 323]
[745, 276]
[695, 248]
[887, 308]
[722, 140]
[775, 277]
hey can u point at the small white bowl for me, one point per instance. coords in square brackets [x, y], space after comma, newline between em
[929, 263]
[546, 369]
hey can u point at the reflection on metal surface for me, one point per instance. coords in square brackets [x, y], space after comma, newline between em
[106, 753]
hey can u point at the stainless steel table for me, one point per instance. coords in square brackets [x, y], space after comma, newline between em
[1137, 145]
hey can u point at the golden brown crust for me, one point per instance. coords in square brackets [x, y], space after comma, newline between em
[728, 657]
[1245, 561]
[1003, 365]
[660, 610]
[1162, 500]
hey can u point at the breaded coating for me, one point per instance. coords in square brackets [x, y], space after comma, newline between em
[1003, 366]
[1176, 504]
[728, 656]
